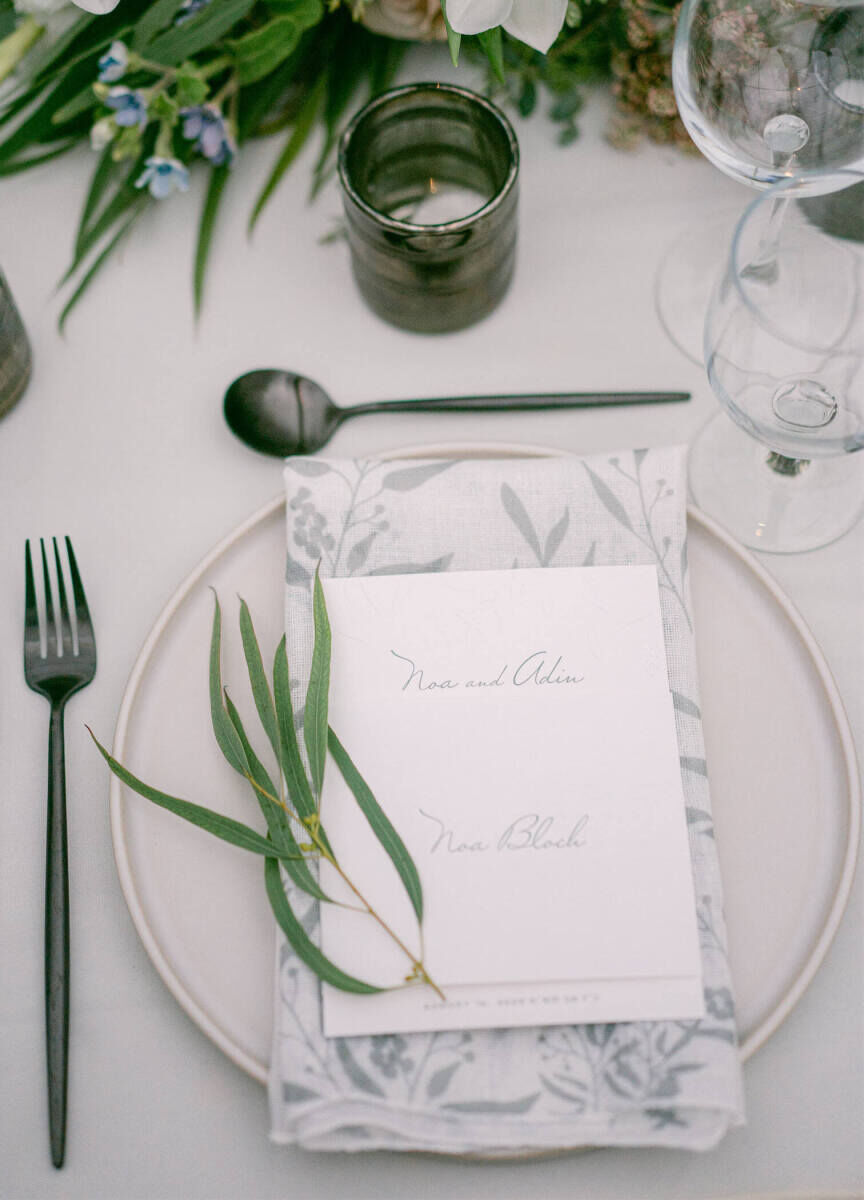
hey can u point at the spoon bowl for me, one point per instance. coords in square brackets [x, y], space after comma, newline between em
[280, 413]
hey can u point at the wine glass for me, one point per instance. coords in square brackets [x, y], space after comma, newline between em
[784, 351]
[768, 89]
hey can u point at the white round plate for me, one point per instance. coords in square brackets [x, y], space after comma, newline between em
[784, 782]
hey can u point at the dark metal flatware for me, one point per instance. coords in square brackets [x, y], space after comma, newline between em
[59, 660]
[277, 412]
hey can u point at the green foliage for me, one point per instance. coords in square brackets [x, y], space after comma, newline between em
[165, 108]
[315, 713]
[158, 16]
[7, 18]
[278, 66]
[493, 47]
[190, 88]
[454, 39]
[202, 32]
[258, 53]
[295, 837]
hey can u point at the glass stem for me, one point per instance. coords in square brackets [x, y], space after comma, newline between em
[764, 264]
[786, 466]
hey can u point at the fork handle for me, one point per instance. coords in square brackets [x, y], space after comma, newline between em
[57, 939]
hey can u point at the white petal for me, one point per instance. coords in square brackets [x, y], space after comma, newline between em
[476, 16]
[99, 7]
[39, 8]
[536, 22]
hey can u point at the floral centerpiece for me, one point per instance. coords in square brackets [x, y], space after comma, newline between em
[156, 85]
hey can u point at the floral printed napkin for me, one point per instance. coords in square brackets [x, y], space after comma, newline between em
[664, 1083]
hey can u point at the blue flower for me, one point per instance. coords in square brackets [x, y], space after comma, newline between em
[130, 108]
[188, 9]
[113, 63]
[207, 128]
[162, 176]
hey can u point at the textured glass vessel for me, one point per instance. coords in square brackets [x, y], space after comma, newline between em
[429, 178]
[15, 358]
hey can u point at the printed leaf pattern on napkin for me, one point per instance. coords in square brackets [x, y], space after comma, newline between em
[665, 1083]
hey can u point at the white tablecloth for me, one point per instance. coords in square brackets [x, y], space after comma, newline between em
[119, 442]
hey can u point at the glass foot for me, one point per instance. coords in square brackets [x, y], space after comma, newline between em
[685, 280]
[768, 501]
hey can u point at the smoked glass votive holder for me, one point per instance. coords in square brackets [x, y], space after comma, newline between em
[429, 177]
[15, 356]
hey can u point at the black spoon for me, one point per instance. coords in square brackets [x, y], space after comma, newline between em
[280, 413]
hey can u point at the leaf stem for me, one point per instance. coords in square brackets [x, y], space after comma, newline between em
[311, 826]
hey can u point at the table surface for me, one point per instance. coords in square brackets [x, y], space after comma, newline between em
[119, 442]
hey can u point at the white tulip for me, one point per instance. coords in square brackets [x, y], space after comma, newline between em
[535, 22]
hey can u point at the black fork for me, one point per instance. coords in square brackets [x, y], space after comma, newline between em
[58, 661]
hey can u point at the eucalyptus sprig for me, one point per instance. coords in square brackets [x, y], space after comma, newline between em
[295, 839]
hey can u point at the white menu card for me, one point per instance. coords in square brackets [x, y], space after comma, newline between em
[518, 730]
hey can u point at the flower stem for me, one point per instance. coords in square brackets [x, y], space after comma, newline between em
[227, 90]
[165, 141]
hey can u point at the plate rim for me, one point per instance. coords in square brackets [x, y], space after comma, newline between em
[248, 1062]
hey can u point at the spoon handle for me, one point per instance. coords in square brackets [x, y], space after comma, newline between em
[517, 403]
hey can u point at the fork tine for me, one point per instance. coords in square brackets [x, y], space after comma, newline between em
[65, 624]
[82, 612]
[32, 647]
[50, 615]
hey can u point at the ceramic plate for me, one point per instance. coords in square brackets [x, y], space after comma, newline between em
[780, 754]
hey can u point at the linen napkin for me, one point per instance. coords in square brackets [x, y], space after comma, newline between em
[663, 1083]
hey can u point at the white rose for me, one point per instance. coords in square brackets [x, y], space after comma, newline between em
[535, 22]
[414, 20]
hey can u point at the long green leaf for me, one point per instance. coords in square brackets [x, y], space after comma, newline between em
[315, 718]
[380, 824]
[265, 789]
[38, 126]
[258, 100]
[305, 12]
[16, 103]
[156, 18]
[99, 263]
[201, 31]
[292, 763]
[259, 683]
[277, 819]
[83, 102]
[386, 55]
[348, 67]
[260, 52]
[493, 48]
[212, 198]
[226, 828]
[59, 49]
[226, 735]
[302, 944]
[91, 47]
[24, 164]
[127, 196]
[102, 176]
[454, 39]
[295, 143]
